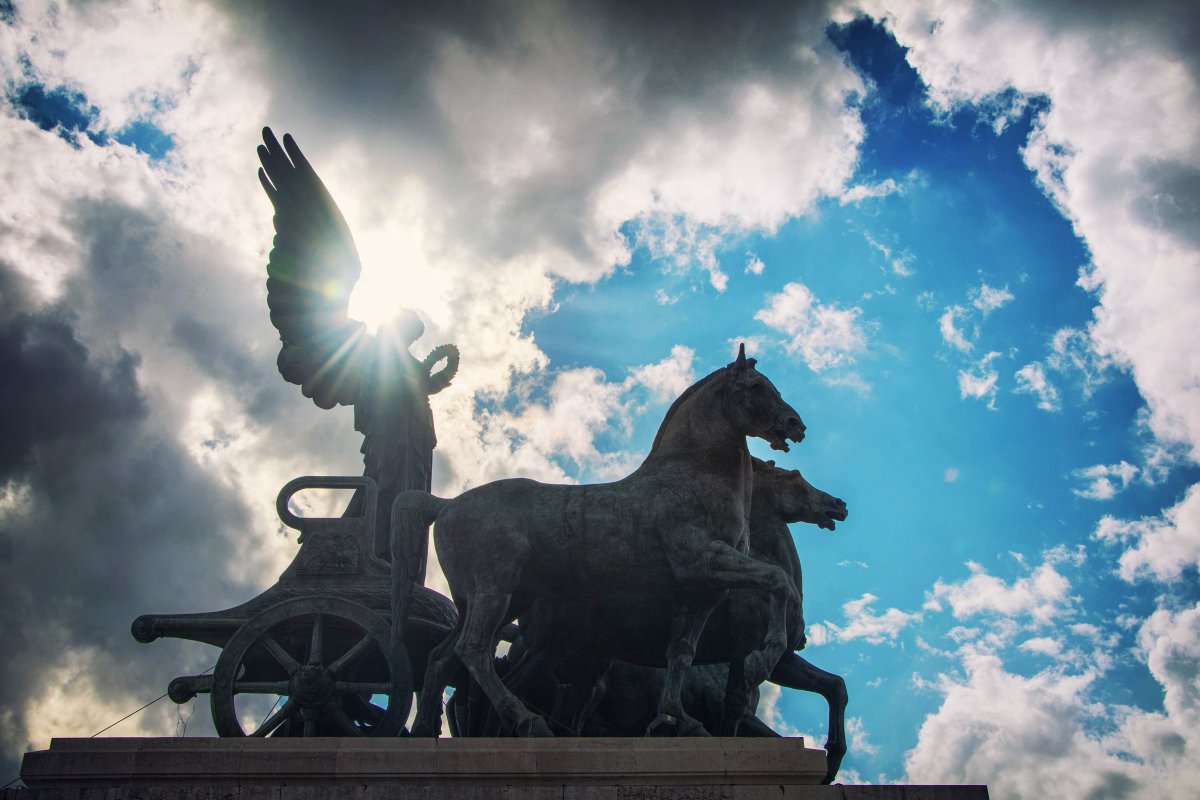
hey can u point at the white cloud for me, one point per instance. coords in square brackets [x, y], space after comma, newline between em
[667, 379]
[862, 191]
[1043, 645]
[1031, 379]
[1105, 480]
[856, 734]
[960, 325]
[823, 335]
[663, 299]
[950, 475]
[579, 406]
[1023, 737]
[1046, 735]
[980, 380]
[851, 380]
[1169, 640]
[863, 623]
[768, 710]
[754, 265]
[701, 177]
[900, 263]
[1072, 354]
[1044, 595]
[1160, 547]
[953, 336]
[988, 298]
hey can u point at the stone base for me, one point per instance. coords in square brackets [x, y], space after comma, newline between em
[443, 769]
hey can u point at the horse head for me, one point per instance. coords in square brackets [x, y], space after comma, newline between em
[755, 406]
[793, 499]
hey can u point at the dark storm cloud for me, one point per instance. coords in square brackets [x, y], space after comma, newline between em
[367, 71]
[1173, 27]
[1175, 24]
[1176, 204]
[145, 276]
[112, 517]
[55, 391]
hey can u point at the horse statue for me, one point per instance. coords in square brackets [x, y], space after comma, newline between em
[673, 536]
[559, 652]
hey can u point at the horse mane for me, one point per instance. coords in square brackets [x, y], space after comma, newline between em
[688, 392]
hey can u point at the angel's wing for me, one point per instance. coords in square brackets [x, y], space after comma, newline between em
[311, 271]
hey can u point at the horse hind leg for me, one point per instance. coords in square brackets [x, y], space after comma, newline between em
[437, 675]
[737, 699]
[795, 672]
[476, 647]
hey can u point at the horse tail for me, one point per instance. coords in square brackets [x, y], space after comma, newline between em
[412, 512]
[416, 504]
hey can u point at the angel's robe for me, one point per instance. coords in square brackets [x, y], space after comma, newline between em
[395, 418]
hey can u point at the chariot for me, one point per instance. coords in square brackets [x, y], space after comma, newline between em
[322, 642]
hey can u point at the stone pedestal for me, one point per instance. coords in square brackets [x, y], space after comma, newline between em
[443, 769]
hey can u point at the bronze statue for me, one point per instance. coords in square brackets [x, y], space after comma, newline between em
[693, 542]
[312, 269]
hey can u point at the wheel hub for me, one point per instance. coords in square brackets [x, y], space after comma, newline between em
[311, 685]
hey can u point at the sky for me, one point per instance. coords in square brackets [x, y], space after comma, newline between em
[960, 237]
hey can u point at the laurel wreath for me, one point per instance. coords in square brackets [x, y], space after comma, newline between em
[443, 351]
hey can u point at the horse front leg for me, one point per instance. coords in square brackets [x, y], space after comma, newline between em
[795, 672]
[730, 568]
[686, 628]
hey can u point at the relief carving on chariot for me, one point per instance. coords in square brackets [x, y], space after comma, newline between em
[662, 619]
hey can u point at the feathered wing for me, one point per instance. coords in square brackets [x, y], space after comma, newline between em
[312, 269]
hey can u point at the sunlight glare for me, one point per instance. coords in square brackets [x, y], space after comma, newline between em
[396, 273]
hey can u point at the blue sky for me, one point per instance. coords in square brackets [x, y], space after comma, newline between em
[960, 238]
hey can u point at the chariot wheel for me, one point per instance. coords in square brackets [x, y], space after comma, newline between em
[322, 660]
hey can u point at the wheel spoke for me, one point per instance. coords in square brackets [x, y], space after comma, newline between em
[261, 687]
[282, 656]
[272, 722]
[344, 722]
[351, 655]
[310, 725]
[350, 687]
[318, 634]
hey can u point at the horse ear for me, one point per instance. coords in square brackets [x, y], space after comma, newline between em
[740, 363]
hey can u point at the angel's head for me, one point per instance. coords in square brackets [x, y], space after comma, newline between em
[402, 330]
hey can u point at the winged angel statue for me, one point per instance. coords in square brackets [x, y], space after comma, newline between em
[312, 269]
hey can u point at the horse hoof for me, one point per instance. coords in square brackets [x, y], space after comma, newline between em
[669, 725]
[534, 726]
[835, 763]
[663, 725]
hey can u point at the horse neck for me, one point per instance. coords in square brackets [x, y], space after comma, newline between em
[699, 425]
[771, 538]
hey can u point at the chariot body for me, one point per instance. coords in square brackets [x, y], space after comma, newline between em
[322, 644]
